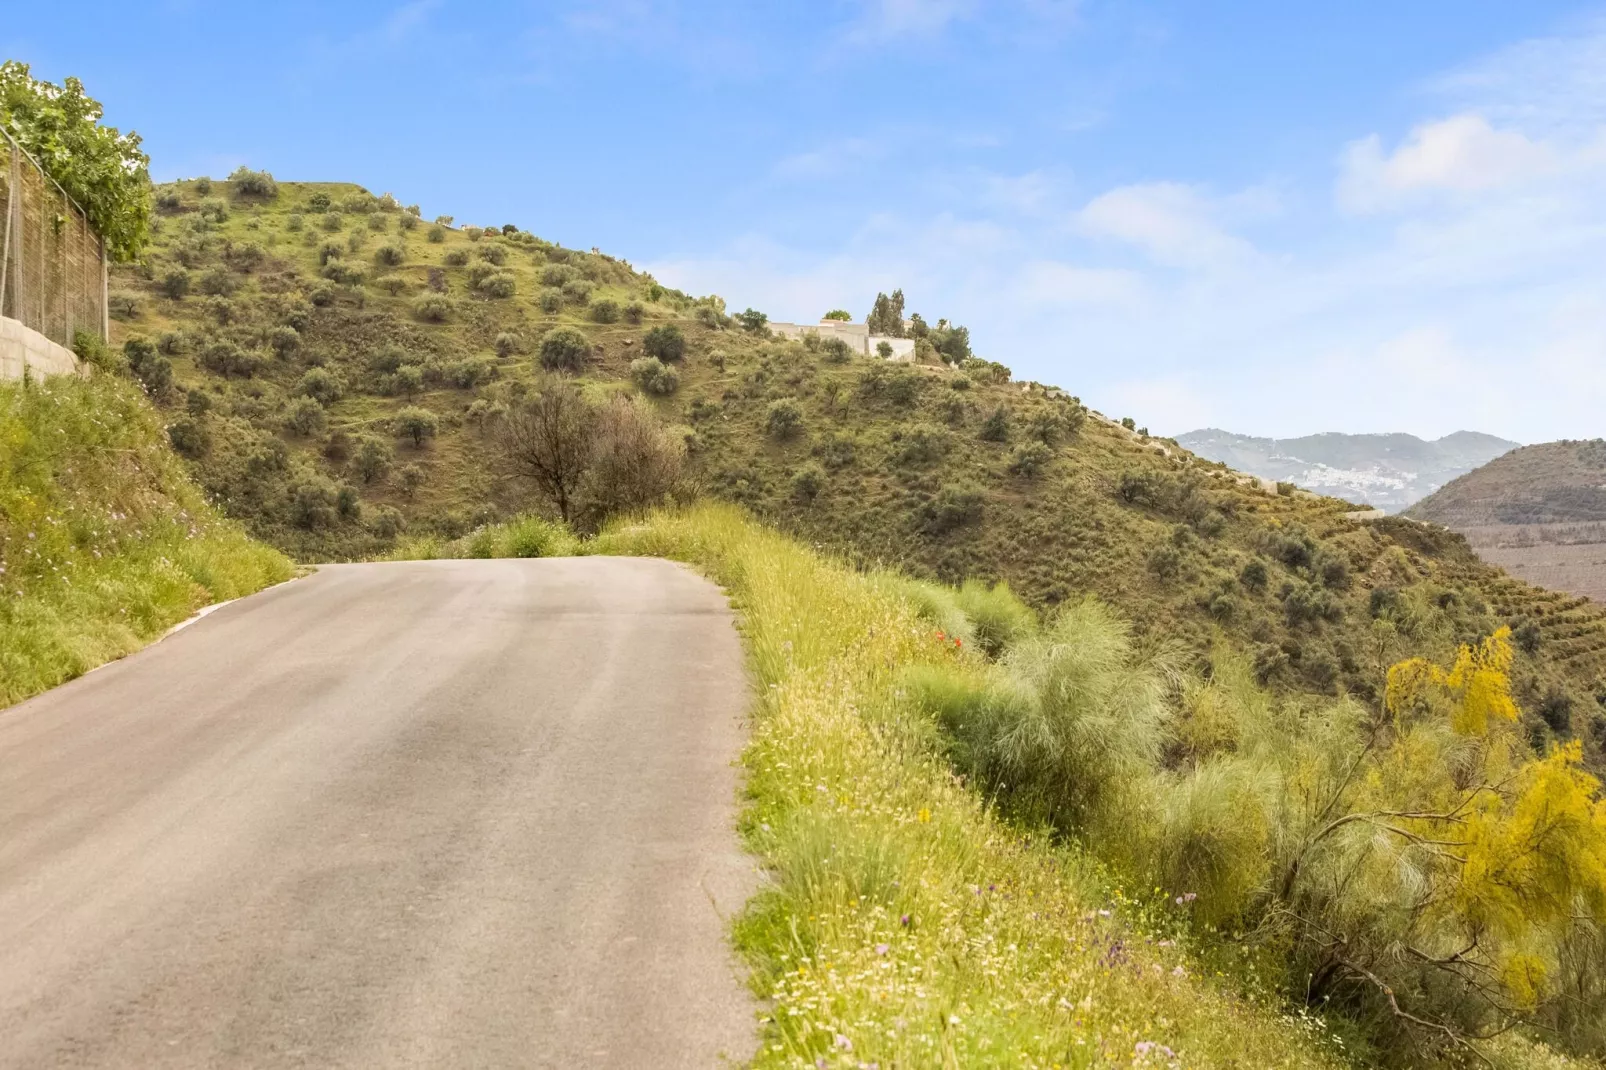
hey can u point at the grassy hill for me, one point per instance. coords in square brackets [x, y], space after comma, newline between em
[286, 327]
[1551, 483]
[104, 540]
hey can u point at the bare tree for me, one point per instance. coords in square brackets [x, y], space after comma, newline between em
[552, 440]
[635, 463]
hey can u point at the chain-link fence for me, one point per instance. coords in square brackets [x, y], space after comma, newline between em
[52, 263]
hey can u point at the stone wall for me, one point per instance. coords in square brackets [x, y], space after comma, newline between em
[24, 350]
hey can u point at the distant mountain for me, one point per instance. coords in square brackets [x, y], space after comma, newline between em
[1390, 472]
[1551, 483]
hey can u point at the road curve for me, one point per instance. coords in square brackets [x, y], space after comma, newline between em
[447, 813]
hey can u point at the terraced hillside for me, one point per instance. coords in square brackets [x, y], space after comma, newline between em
[337, 370]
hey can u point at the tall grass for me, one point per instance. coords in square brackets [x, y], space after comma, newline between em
[907, 924]
[104, 541]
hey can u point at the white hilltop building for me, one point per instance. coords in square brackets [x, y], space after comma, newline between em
[856, 335]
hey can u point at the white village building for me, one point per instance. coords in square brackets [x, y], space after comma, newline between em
[856, 335]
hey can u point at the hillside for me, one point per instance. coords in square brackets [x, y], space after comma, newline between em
[1551, 483]
[286, 327]
[1536, 512]
[1389, 472]
[104, 541]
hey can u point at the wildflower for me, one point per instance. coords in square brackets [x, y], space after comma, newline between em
[925, 815]
[1179, 972]
[844, 1043]
[882, 949]
[904, 921]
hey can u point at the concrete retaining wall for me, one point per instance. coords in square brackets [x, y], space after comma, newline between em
[25, 350]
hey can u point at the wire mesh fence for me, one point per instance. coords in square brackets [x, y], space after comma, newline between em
[52, 263]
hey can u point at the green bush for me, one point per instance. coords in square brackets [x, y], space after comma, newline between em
[995, 428]
[433, 308]
[565, 349]
[783, 419]
[807, 482]
[654, 377]
[494, 254]
[322, 384]
[390, 255]
[577, 291]
[154, 372]
[249, 183]
[998, 617]
[394, 285]
[557, 274]
[305, 417]
[456, 258]
[406, 221]
[318, 203]
[415, 423]
[635, 312]
[834, 350]
[667, 343]
[1029, 459]
[507, 343]
[953, 506]
[285, 341]
[332, 221]
[437, 234]
[372, 458]
[386, 522]
[551, 301]
[219, 283]
[499, 285]
[605, 311]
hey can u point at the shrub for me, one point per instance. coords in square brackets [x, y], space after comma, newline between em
[406, 221]
[394, 285]
[189, 438]
[1286, 489]
[415, 423]
[456, 258]
[412, 477]
[123, 306]
[332, 221]
[995, 428]
[154, 372]
[565, 349]
[577, 291]
[372, 458]
[214, 210]
[312, 504]
[807, 482]
[293, 222]
[386, 522]
[285, 341]
[498, 285]
[219, 283]
[1029, 459]
[754, 321]
[432, 308]
[320, 383]
[834, 350]
[322, 296]
[667, 343]
[654, 377]
[249, 183]
[883, 350]
[605, 311]
[635, 312]
[1254, 576]
[551, 301]
[172, 342]
[557, 274]
[390, 255]
[783, 419]
[494, 254]
[997, 616]
[376, 222]
[168, 200]
[305, 417]
[176, 284]
[507, 344]
[953, 506]
[437, 234]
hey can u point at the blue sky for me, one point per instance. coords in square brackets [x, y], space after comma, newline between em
[1275, 218]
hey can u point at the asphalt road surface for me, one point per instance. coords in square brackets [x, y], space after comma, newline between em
[445, 814]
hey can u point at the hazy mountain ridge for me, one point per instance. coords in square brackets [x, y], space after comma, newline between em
[1389, 471]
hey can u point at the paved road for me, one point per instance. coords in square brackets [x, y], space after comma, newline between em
[445, 814]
